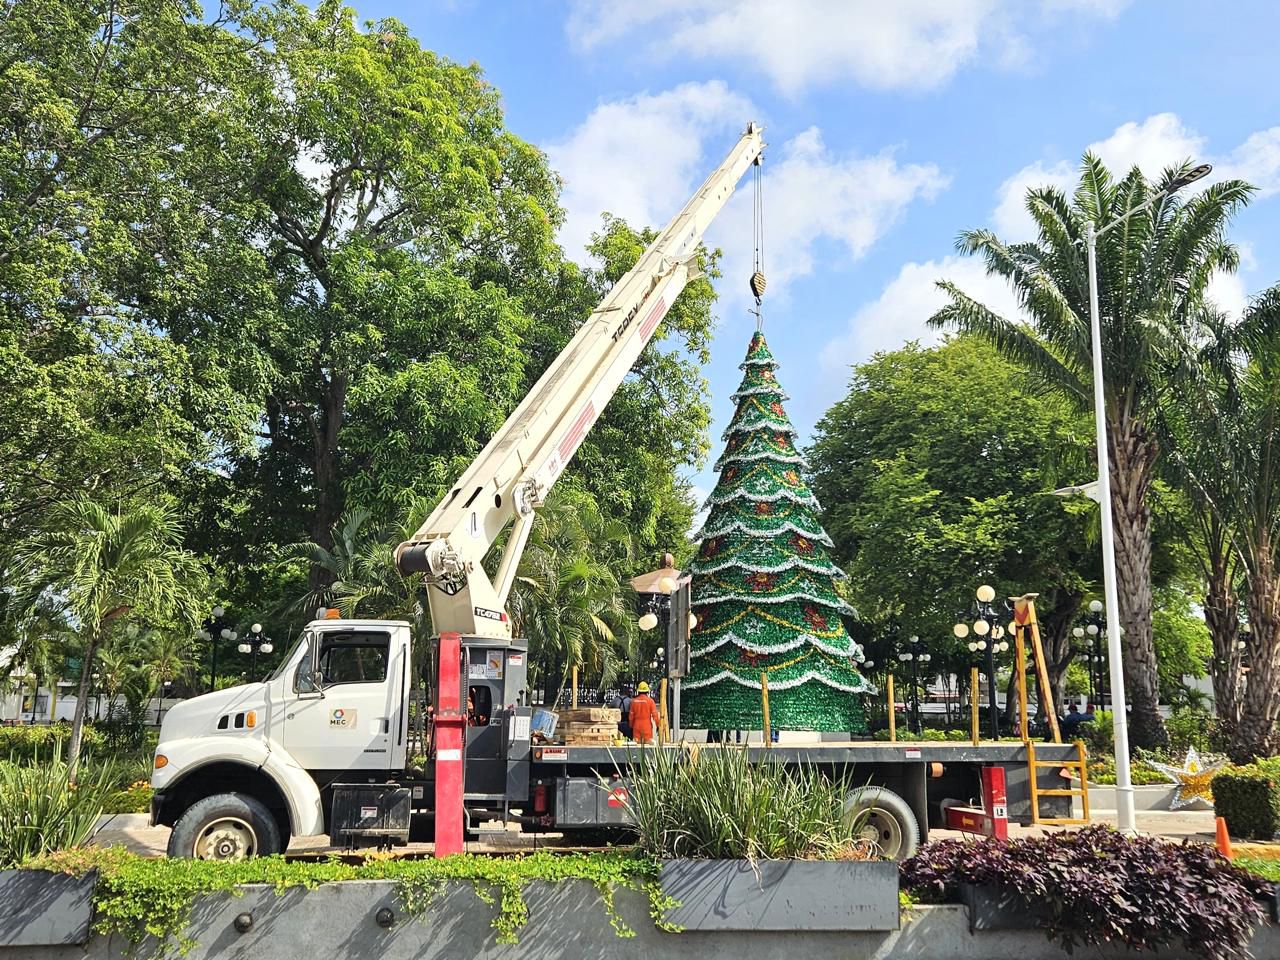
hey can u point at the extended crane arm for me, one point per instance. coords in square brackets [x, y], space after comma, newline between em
[512, 475]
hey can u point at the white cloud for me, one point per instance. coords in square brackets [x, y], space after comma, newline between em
[1227, 290]
[1257, 160]
[900, 312]
[638, 158]
[1102, 8]
[815, 196]
[1160, 141]
[907, 44]
[1152, 145]
[1011, 221]
[642, 158]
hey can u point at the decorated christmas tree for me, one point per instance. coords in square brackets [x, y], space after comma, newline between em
[763, 584]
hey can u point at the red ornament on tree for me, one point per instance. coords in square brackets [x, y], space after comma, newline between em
[776, 409]
[815, 618]
[801, 544]
[760, 581]
[792, 478]
[764, 508]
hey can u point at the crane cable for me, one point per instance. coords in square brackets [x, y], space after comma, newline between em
[757, 275]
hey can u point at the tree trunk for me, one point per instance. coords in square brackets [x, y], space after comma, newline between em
[1055, 638]
[82, 702]
[1255, 734]
[1133, 455]
[327, 470]
[1222, 616]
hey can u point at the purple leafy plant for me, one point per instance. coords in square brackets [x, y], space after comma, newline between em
[1097, 886]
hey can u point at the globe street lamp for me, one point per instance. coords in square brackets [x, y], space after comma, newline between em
[915, 658]
[1095, 628]
[213, 628]
[1124, 784]
[258, 644]
[989, 640]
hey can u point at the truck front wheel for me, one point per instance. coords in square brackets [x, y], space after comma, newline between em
[883, 818]
[226, 826]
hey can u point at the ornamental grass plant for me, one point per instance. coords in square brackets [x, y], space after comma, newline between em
[718, 804]
[42, 810]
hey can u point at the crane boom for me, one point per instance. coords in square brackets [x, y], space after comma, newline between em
[512, 475]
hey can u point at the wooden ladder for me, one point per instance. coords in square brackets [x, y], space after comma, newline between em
[1034, 766]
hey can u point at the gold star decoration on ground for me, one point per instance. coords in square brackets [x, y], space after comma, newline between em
[1192, 779]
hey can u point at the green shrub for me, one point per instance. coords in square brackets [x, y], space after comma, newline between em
[1098, 734]
[23, 744]
[1102, 771]
[958, 736]
[135, 798]
[1248, 798]
[1193, 729]
[1266, 869]
[718, 804]
[42, 811]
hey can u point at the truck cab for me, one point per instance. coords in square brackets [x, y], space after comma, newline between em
[237, 772]
[322, 745]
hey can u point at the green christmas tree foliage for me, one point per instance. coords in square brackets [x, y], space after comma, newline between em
[764, 586]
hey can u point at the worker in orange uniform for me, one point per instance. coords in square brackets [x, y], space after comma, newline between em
[643, 715]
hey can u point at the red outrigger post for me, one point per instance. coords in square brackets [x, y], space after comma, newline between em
[450, 736]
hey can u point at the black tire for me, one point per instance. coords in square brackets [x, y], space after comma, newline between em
[225, 826]
[886, 819]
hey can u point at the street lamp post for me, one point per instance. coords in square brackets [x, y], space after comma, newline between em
[915, 658]
[1096, 629]
[257, 644]
[213, 629]
[1124, 784]
[160, 706]
[990, 641]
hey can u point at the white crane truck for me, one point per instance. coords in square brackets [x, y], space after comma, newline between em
[321, 746]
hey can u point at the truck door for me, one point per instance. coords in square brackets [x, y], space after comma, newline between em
[344, 714]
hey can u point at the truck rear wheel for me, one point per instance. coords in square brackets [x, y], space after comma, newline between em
[226, 826]
[882, 817]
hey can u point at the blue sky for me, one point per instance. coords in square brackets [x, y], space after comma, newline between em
[892, 126]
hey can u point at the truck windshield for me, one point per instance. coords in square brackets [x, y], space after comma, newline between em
[288, 657]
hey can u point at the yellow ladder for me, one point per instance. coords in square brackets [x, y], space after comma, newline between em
[1081, 763]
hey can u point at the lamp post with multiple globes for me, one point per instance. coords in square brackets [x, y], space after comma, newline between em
[989, 640]
[913, 656]
[255, 644]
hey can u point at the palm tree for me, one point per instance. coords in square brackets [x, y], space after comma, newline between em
[38, 648]
[102, 565]
[1153, 271]
[568, 598]
[167, 655]
[1225, 432]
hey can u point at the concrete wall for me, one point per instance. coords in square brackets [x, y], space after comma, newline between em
[567, 920]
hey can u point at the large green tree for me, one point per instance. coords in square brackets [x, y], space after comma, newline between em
[97, 101]
[933, 473]
[1153, 271]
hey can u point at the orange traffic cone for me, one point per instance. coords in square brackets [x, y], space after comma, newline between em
[1223, 839]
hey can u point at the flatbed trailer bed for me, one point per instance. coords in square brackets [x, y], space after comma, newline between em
[924, 773]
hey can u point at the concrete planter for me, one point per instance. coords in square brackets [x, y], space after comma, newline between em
[782, 894]
[1000, 908]
[41, 909]
[1155, 796]
[366, 920]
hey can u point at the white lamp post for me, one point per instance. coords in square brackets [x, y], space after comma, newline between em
[1124, 784]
